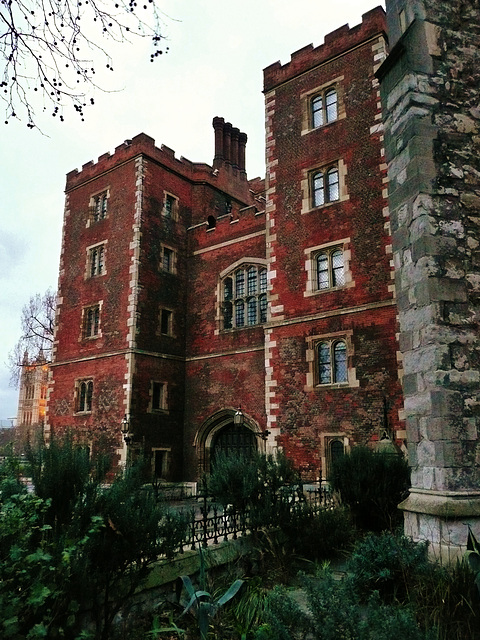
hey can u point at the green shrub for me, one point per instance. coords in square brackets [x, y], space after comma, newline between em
[76, 548]
[234, 480]
[249, 611]
[372, 485]
[332, 612]
[256, 482]
[445, 597]
[318, 536]
[388, 564]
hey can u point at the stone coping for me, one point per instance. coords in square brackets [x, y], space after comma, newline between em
[445, 504]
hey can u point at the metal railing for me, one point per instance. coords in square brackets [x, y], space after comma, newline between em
[209, 522]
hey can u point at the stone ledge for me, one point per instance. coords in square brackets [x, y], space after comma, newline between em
[188, 563]
[445, 504]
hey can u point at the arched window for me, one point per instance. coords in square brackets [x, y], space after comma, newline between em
[317, 111]
[84, 395]
[330, 269]
[91, 321]
[331, 105]
[324, 108]
[244, 293]
[332, 362]
[98, 206]
[333, 184]
[325, 186]
[318, 189]
[334, 450]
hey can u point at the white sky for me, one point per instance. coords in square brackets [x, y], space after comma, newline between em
[218, 49]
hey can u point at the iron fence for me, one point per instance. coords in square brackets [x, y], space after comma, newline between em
[209, 522]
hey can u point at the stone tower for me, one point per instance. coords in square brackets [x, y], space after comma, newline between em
[430, 93]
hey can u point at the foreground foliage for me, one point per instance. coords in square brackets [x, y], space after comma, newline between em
[333, 612]
[372, 485]
[391, 591]
[72, 553]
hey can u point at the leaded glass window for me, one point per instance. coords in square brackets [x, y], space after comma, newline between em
[324, 108]
[330, 269]
[244, 299]
[332, 362]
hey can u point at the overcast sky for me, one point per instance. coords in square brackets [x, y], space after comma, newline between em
[217, 51]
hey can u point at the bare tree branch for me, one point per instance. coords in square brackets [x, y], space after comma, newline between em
[36, 340]
[52, 47]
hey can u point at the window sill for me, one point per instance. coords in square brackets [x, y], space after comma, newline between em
[333, 385]
[320, 127]
[248, 326]
[316, 292]
[83, 413]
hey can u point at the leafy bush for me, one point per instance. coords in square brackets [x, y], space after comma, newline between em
[248, 612]
[387, 564]
[445, 597]
[395, 568]
[234, 480]
[372, 484]
[332, 612]
[318, 536]
[241, 481]
[76, 549]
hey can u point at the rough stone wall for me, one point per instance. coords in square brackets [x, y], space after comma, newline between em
[430, 92]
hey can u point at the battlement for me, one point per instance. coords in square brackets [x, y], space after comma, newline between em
[139, 145]
[335, 43]
[225, 176]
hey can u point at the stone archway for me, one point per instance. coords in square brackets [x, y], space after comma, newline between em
[219, 433]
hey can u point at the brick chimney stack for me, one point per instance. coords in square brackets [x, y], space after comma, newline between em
[218, 124]
[230, 145]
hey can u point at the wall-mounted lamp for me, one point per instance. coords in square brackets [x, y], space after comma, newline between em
[238, 417]
[125, 426]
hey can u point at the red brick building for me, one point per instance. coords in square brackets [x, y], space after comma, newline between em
[187, 292]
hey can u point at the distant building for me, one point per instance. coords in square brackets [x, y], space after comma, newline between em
[208, 312]
[32, 401]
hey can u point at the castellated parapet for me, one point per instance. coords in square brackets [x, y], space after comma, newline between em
[223, 175]
[335, 43]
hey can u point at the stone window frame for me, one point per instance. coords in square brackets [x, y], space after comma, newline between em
[326, 440]
[97, 199]
[313, 343]
[170, 206]
[172, 261]
[307, 186]
[83, 402]
[165, 462]
[169, 321]
[163, 397]
[94, 261]
[311, 254]
[245, 263]
[89, 332]
[309, 96]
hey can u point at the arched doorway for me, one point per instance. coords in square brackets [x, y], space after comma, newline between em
[219, 433]
[234, 439]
